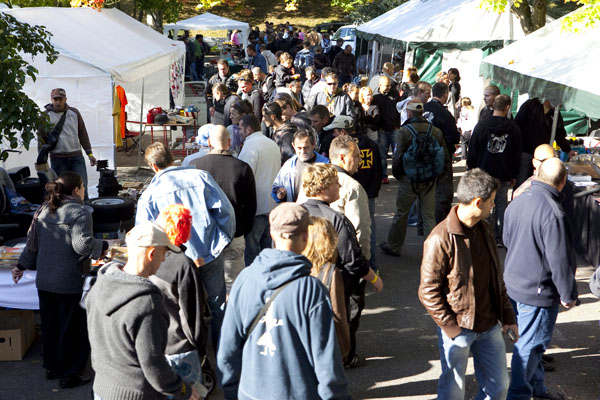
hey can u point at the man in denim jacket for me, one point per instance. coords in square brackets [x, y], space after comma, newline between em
[213, 220]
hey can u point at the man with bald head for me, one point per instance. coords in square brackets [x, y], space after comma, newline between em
[489, 94]
[236, 179]
[539, 273]
[541, 154]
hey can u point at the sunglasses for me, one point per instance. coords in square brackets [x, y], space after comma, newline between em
[331, 83]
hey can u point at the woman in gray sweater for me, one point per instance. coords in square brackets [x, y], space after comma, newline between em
[59, 246]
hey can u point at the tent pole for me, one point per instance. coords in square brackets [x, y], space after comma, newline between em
[380, 58]
[554, 124]
[141, 126]
[392, 55]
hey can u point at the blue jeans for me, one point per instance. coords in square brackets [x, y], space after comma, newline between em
[373, 260]
[258, 238]
[535, 332]
[497, 216]
[73, 164]
[213, 278]
[385, 139]
[489, 358]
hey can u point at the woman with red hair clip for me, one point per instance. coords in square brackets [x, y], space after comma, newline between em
[180, 283]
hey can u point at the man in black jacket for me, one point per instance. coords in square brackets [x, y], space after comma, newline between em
[539, 274]
[222, 76]
[254, 95]
[321, 186]
[386, 99]
[496, 148]
[236, 179]
[369, 172]
[441, 118]
[535, 121]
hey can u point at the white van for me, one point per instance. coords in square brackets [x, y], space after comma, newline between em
[348, 33]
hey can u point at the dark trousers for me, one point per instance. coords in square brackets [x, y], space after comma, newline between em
[444, 194]
[65, 343]
[200, 67]
[355, 303]
[76, 164]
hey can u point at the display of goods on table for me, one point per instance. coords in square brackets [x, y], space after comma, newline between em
[9, 255]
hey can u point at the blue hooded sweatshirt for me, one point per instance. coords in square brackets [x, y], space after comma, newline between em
[293, 351]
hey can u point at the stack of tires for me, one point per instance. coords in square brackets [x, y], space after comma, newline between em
[111, 214]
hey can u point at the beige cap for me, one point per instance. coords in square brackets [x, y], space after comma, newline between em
[289, 219]
[340, 122]
[148, 234]
[58, 92]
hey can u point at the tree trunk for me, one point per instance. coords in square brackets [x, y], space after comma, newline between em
[531, 14]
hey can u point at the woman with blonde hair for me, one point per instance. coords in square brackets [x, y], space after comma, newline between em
[321, 250]
[371, 113]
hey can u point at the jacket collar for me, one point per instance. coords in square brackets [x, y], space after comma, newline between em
[316, 202]
[340, 170]
[220, 152]
[453, 223]
[544, 187]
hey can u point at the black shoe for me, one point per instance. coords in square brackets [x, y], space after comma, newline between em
[386, 250]
[355, 362]
[51, 374]
[547, 358]
[547, 366]
[73, 381]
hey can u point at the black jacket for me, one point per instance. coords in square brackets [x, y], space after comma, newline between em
[236, 179]
[540, 261]
[284, 137]
[350, 259]
[228, 80]
[283, 76]
[390, 118]
[369, 172]
[441, 118]
[536, 127]
[223, 109]
[257, 99]
[496, 148]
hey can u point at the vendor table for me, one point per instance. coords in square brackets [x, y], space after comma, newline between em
[586, 228]
[167, 135]
[22, 295]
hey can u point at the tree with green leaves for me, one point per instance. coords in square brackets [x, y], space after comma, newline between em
[20, 117]
[532, 13]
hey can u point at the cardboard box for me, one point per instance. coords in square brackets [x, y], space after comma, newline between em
[17, 333]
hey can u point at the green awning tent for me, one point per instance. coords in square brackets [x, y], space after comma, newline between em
[552, 64]
[441, 34]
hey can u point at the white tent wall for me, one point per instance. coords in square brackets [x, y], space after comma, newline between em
[471, 84]
[89, 90]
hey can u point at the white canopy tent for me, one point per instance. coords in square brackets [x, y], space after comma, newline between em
[98, 50]
[442, 34]
[209, 22]
[552, 64]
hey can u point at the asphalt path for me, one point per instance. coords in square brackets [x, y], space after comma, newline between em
[397, 338]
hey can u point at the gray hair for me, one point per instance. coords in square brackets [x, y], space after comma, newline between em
[476, 183]
[341, 145]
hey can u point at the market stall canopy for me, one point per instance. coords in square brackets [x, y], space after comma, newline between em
[442, 24]
[209, 22]
[98, 50]
[109, 40]
[552, 64]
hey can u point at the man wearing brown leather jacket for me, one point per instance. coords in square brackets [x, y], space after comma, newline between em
[463, 291]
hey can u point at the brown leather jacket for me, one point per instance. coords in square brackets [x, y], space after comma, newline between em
[447, 289]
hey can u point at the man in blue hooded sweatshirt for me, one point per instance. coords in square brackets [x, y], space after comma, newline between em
[292, 352]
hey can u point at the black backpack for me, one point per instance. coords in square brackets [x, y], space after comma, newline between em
[424, 159]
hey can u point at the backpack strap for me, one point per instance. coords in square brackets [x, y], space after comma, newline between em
[264, 308]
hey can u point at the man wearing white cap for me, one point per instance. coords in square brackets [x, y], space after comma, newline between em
[128, 323]
[410, 171]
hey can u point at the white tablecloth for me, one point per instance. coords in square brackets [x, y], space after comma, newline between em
[22, 295]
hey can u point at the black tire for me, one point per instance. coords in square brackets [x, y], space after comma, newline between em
[106, 227]
[112, 209]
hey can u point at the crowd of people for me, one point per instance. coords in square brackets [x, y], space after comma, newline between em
[264, 244]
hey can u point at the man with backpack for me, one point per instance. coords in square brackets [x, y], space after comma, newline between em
[419, 160]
